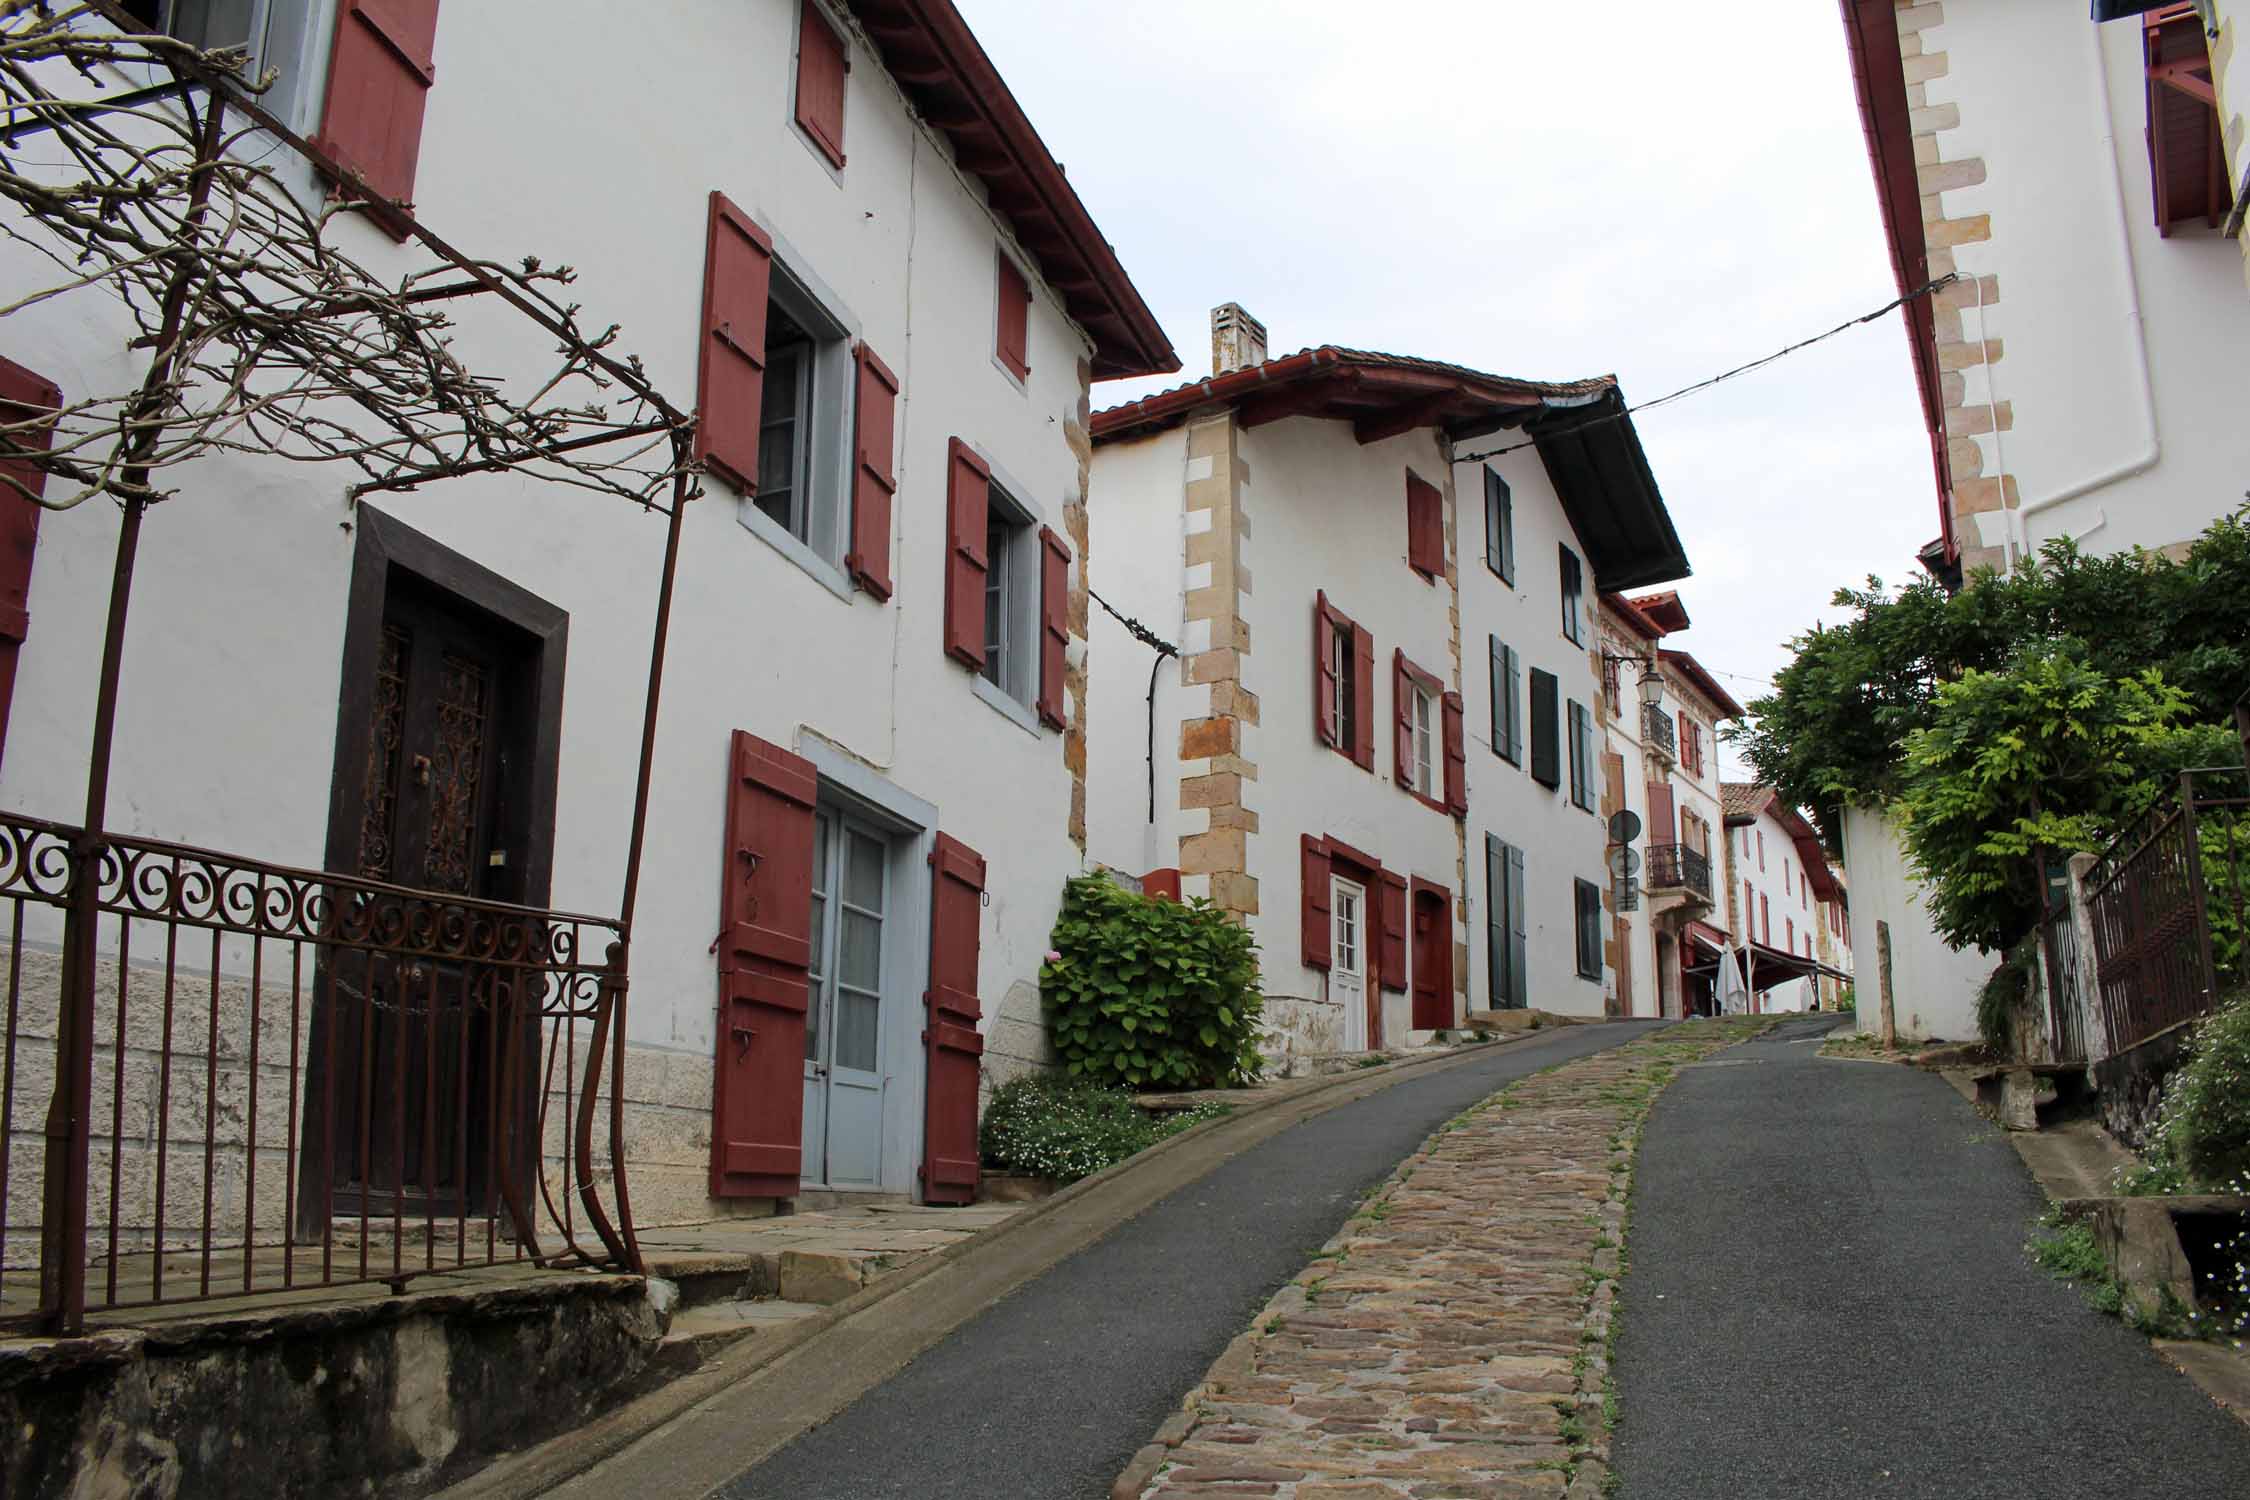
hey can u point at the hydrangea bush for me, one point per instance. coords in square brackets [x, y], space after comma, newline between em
[1049, 1125]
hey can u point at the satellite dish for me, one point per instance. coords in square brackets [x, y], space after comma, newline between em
[1623, 862]
[1624, 826]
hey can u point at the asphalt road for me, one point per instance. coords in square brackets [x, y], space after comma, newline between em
[1046, 1394]
[1829, 1296]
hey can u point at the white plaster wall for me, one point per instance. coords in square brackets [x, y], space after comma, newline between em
[1933, 987]
[1328, 513]
[1135, 513]
[2074, 245]
[1781, 884]
[230, 678]
[1561, 842]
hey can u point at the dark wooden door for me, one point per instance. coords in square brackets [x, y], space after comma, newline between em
[416, 1052]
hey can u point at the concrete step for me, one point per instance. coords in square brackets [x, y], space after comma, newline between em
[697, 1333]
[821, 1277]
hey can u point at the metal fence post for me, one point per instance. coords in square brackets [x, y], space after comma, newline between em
[2085, 987]
[2200, 912]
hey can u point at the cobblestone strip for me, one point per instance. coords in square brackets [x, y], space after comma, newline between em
[1451, 1341]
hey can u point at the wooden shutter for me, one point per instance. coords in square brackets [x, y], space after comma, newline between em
[1402, 720]
[1661, 826]
[1546, 729]
[1687, 744]
[22, 394]
[1011, 341]
[1391, 910]
[380, 70]
[874, 473]
[730, 373]
[1577, 739]
[1573, 581]
[1363, 699]
[765, 947]
[1586, 898]
[1325, 728]
[1316, 870]
[1054, 624]
[1433, 957]
[822, 62]
[1425, 526]
[1519, 982]
[968, 503]
[1456, 756]
[1495, 922]
[950, 1163]
[1500, 527]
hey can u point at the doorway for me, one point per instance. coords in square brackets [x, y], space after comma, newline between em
[449, 719]
[1347, 968]
[852, 910]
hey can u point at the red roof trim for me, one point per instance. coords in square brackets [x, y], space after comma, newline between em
[1625, 610]
[1879, 80]
[937, 60]
[1688, 667]
[1664, 610]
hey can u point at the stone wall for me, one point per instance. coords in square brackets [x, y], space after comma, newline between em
[2131, 1085]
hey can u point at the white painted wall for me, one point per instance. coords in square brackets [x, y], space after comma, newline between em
[1328, 513]
[1934, 987]
[229, 687]
[1784, 915]
[1561, 842]
[2136, 416]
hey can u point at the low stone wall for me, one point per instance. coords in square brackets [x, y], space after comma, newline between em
[1297, 1027]
[396, 1397]
[2131, 1083]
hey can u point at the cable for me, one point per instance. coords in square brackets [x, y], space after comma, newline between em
[1163, 649]
[1703, 385]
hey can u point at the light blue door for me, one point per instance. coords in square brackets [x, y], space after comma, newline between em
[843, 1144]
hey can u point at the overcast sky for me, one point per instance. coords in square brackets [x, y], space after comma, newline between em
[1640, 187]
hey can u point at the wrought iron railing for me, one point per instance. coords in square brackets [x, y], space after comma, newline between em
[1657, 733]
[1676, 866]
[223, 1076]
[2168, 900]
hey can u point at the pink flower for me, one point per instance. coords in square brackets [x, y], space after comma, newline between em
[1054, 955]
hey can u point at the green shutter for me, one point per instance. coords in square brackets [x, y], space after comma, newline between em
[1499, 527]
[1546, 729]
[1495, 922]
[1518, 985]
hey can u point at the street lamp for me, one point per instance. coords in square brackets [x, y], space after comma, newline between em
[1652, 683]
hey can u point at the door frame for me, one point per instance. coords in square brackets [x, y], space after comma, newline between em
[385, 546]
[851, 814]
[1369, 983]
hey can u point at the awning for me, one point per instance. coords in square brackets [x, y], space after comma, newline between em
[1773, 966]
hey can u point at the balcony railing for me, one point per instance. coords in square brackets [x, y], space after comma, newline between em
[1677, 867]
[1657, 733]
[224, 1076]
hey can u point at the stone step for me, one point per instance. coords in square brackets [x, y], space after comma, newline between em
[697, 1333]
[820, 1277]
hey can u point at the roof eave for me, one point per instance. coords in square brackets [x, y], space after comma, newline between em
[1601, 474]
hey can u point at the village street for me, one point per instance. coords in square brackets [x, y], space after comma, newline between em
[1828, 1295]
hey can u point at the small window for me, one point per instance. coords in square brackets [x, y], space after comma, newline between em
[1424, 707]
[1499, 527]
[1011, 594]
[1589, 912]
[1765, 921]
[276, 36]
[1507, 715]
[1761, 850]
[1573, 588]
[1341, 683]
[803, 408]
[822, 63]
[1425, 527]
[1011, 340]
[1581, 756]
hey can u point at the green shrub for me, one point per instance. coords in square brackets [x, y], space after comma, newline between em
[2003, 996]
[2203, 1130]
[1048, 1125]
[1151, 993]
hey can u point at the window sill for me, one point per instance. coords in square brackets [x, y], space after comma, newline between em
[1008, 708]
[1021, 382]
[766, 529]
[1426, 800]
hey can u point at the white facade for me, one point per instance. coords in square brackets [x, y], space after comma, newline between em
[1933, 987]
[228, 711]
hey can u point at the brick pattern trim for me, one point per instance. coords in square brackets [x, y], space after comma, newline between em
[1077, 431]
[1979, 486]
[1218, 854]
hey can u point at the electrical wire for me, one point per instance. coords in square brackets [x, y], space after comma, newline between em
[1846, 326]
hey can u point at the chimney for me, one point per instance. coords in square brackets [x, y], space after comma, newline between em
[1237, 339]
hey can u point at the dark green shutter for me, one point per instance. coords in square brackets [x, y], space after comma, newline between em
[1513, 697]
[1546, 729]
[1499, 527]
[1518, 981]
[1495, 922]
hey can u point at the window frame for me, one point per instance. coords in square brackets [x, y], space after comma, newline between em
[1428, 756]
[1499, 526]
[1587, 928]
[1506, 712]
[1580, 734]
[826, 470]
[1012, 672]
[1573, 588]
[830, 153]
[1343, 672]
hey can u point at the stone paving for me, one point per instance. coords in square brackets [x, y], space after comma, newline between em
[1450, 1341]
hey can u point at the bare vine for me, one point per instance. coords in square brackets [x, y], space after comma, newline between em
[117, 176]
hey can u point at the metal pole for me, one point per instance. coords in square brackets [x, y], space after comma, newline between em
[2198, 898]
[655, 691]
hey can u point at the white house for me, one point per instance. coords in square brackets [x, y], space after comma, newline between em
[848, 248]
[1378, 756]
[1780, 895]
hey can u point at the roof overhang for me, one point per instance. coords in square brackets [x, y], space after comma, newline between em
[1664, 610]
[1693, 670]
[1582, 431]
[929, 49]
[1632, 618]
[1763, 966]
[1879, 81]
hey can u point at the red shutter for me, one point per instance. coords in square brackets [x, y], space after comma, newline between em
[950, 1162]
[1456, 756]
[21, 392]
[765, 946]
[1391, 911]
[1402, 720]
[1011, 341]
[875, 474]
[1661, 828]
[1363, 699]
[1325, 727]
[1054, 624]
[1425, 526]
[968, 502]
[379, 77]
[730, 372]
[822, 63]
[1316, 869]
